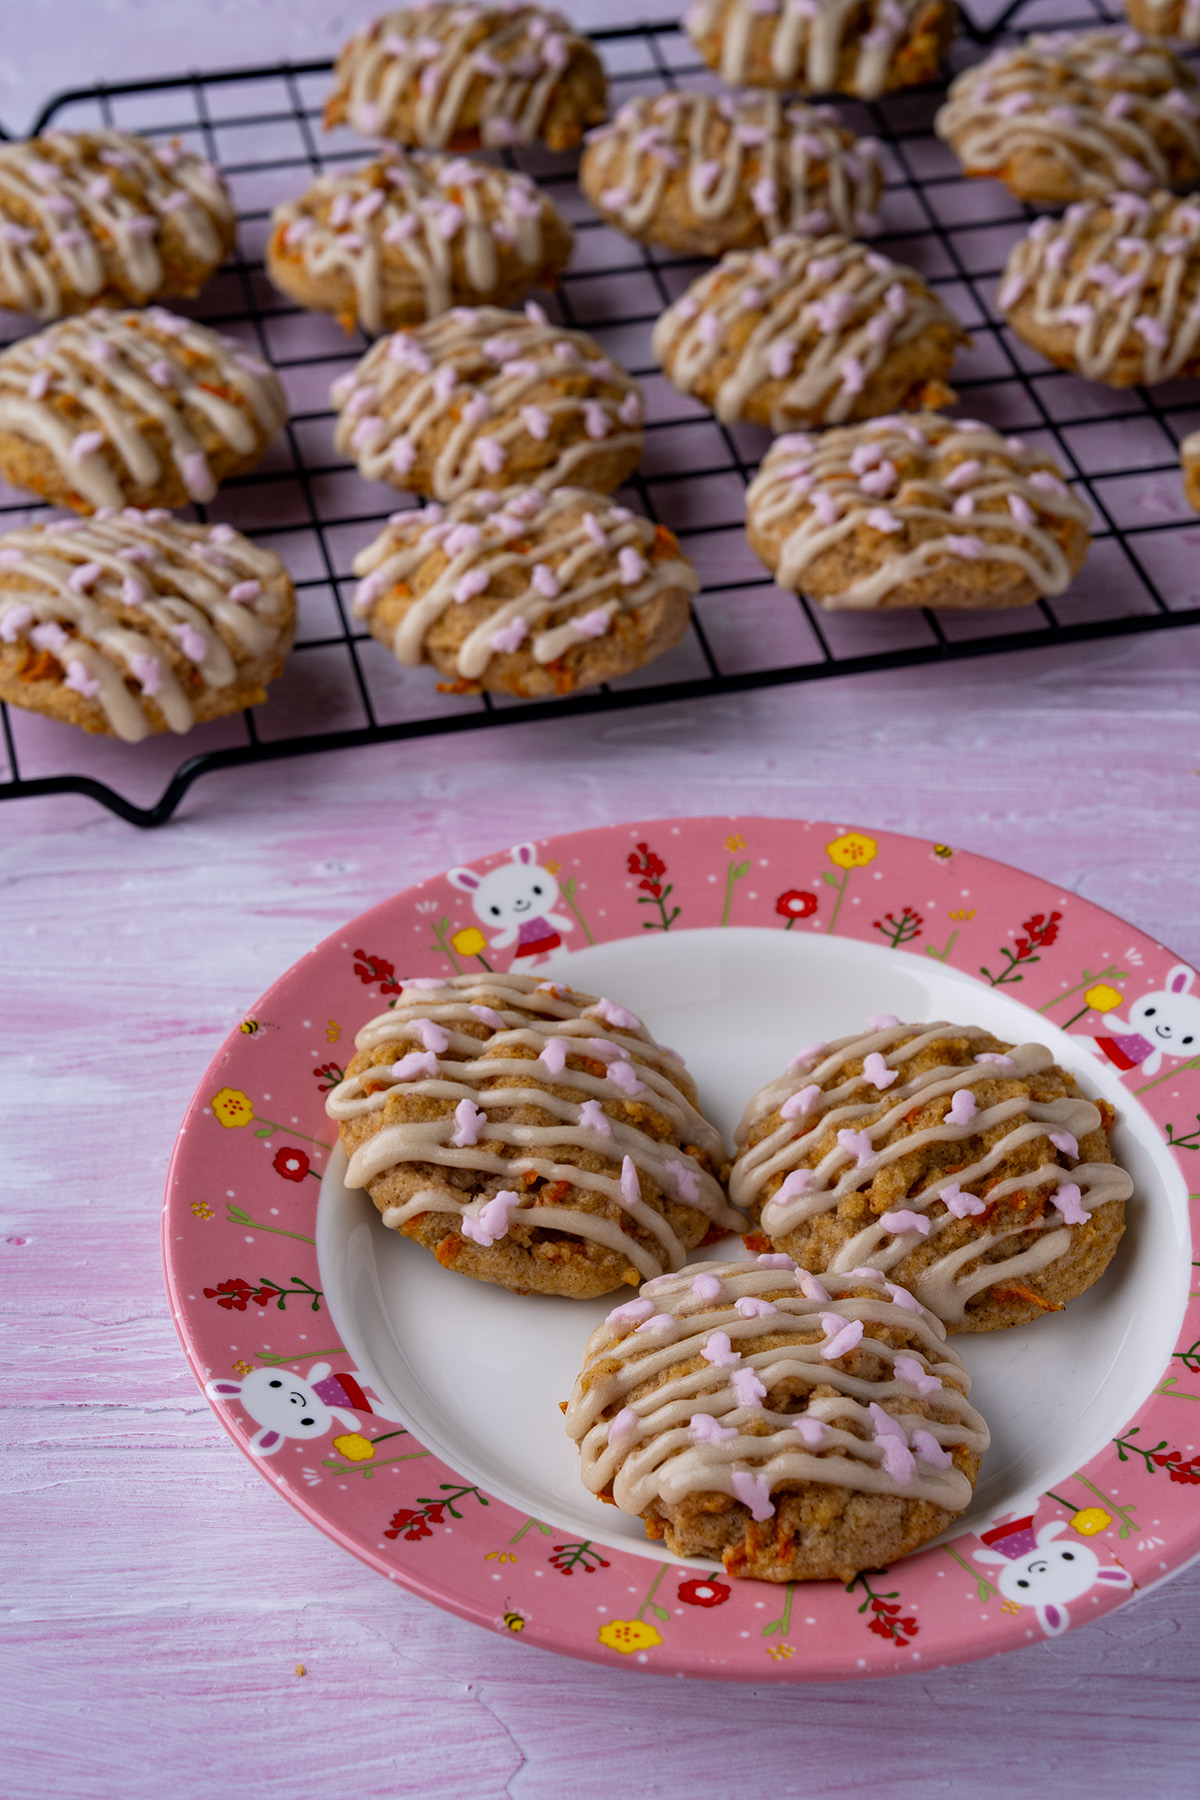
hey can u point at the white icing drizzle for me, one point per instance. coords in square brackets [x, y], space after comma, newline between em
[81, 211]
[489, 371]
[122, 370]
[656, 1455]
[127, 601]
[507, 60]
[1168, 18]
[805, 39]
[972, 496]
[441, 218]
[803, 170]
[577, 576]
[533, 1015]
[1103, 104]
[845, 1104]
[826, 314]
[1120, 274]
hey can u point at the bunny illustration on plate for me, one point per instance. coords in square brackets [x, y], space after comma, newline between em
[518, 899]
[284, 1405]
[1164, 1023]
[1038, 1572]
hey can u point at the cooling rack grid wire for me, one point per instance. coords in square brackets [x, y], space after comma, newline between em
[341, 689]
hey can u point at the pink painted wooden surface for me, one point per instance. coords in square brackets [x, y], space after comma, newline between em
[156, 1595]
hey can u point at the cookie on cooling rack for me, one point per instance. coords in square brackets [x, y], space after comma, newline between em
[524, 592]
[973, 1171]
[408, 236]
[1111, 289]
[822, 46]
[450, 75]
[1189, 457]
[132, 622]
[1076, 115]
[703, 174]
[1166, 18]
[103, 218]
[530, 1135]
[809, 331]
[799, 1429]
[486, 398]
[914, 510]
[132, 408]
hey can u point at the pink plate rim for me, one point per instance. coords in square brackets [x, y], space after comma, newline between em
[239, 1223]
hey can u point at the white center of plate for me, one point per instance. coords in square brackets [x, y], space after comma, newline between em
[477, 1373]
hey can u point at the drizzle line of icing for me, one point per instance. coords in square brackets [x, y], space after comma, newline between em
[555, 1023]
[803, 169]
[443, 52]
[826, 315]
[1118, 273]
[808, 38]
[828, 1103]
[106, 595]
[969, 481]
[78, 209]
[434, 214]
[578, 573]
[121, 370]
[481, 366]
[1100, 102]
[661, 1454]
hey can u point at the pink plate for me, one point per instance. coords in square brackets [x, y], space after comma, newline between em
[755, 931]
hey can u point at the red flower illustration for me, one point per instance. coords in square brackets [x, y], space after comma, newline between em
[796, 904]
[370, 969]
[1185, 1470]
[232, 1295]
[328, 1076]
[291, 1164]
[699, 1592]
[410, 1522]
[650, 867]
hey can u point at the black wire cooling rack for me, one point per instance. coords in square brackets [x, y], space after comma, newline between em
[340, 689]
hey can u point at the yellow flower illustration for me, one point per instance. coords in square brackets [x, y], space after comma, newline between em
[500, 1556]
[333, 1032]
[470, 941]
[552, 868]
[962, 912]
[243, 1368]
[1103, 997]
[355, 1447]
[202, 1209]
[628, 1635]
[232, 1107]
[852, 851]
[735, 843]
[780, 1652]
[1010, 1606]
[1091, 1520]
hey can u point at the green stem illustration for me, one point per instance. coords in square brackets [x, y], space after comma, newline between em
[1124, 1513]
[1112, 973]
[1193, 1062]
[568, 891]
[1190, 1140]
[983, 1586]
[785, 1618]
[530, 1521]
[271, 1361]
[941, 955]
[668, 919]
[1170, 1387]
[660, 1612]
[367, 1469]
[440, 933]
[237, 1215]
[735, 873]
[270, 1128]
[832, 881]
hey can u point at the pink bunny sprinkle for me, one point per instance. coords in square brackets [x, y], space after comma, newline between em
[877, 1071]
[774, 1261]
[901, 1297]
[554, 1055]
[625, 1422]
[809, 1054]
[416, 1064]
[431, 1035]
[930, 1451]
[621, 1075]
[657, 1322]
[995, 1056]
[843, 1335]
[631, 1187]
[81, 680]
[811, 1286]
[905, 1220]
[1069, 1201]
[719, 1351]
[630, 1313]
[753, 1491]
[801, 1103]
[492, 1220]
[686, 1181]
[910, 1370]
[704, 1429]
[752, 1308]
[470, 1121]
[962, 1205]
[963, 1107]
[812, 1431]
[858, 1145]
[748, 1390]
[800, 1181]
[487, 1016]
[707, 1287]
[593, 1117]
[593, 624]
[1062, 1140]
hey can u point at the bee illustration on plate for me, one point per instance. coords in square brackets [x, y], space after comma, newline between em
[943, 852]
[513, 1621]
[252, 1027]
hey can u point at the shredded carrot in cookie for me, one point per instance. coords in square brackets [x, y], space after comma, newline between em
[448, 1250]
[1016, 1290]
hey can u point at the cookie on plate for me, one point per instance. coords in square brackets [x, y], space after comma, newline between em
[1074, 115]
[703, 174]
[530, 1135]
[799, 1429]
[916, 510]
[450, 75]
[486, 398]
[132, 622]
[1166, 18]
[524, 592]
[809, 331]
[103, 218]
[866, 47]
[1111, 288]
[973, 1171]
[132, 408]
[409, 235]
